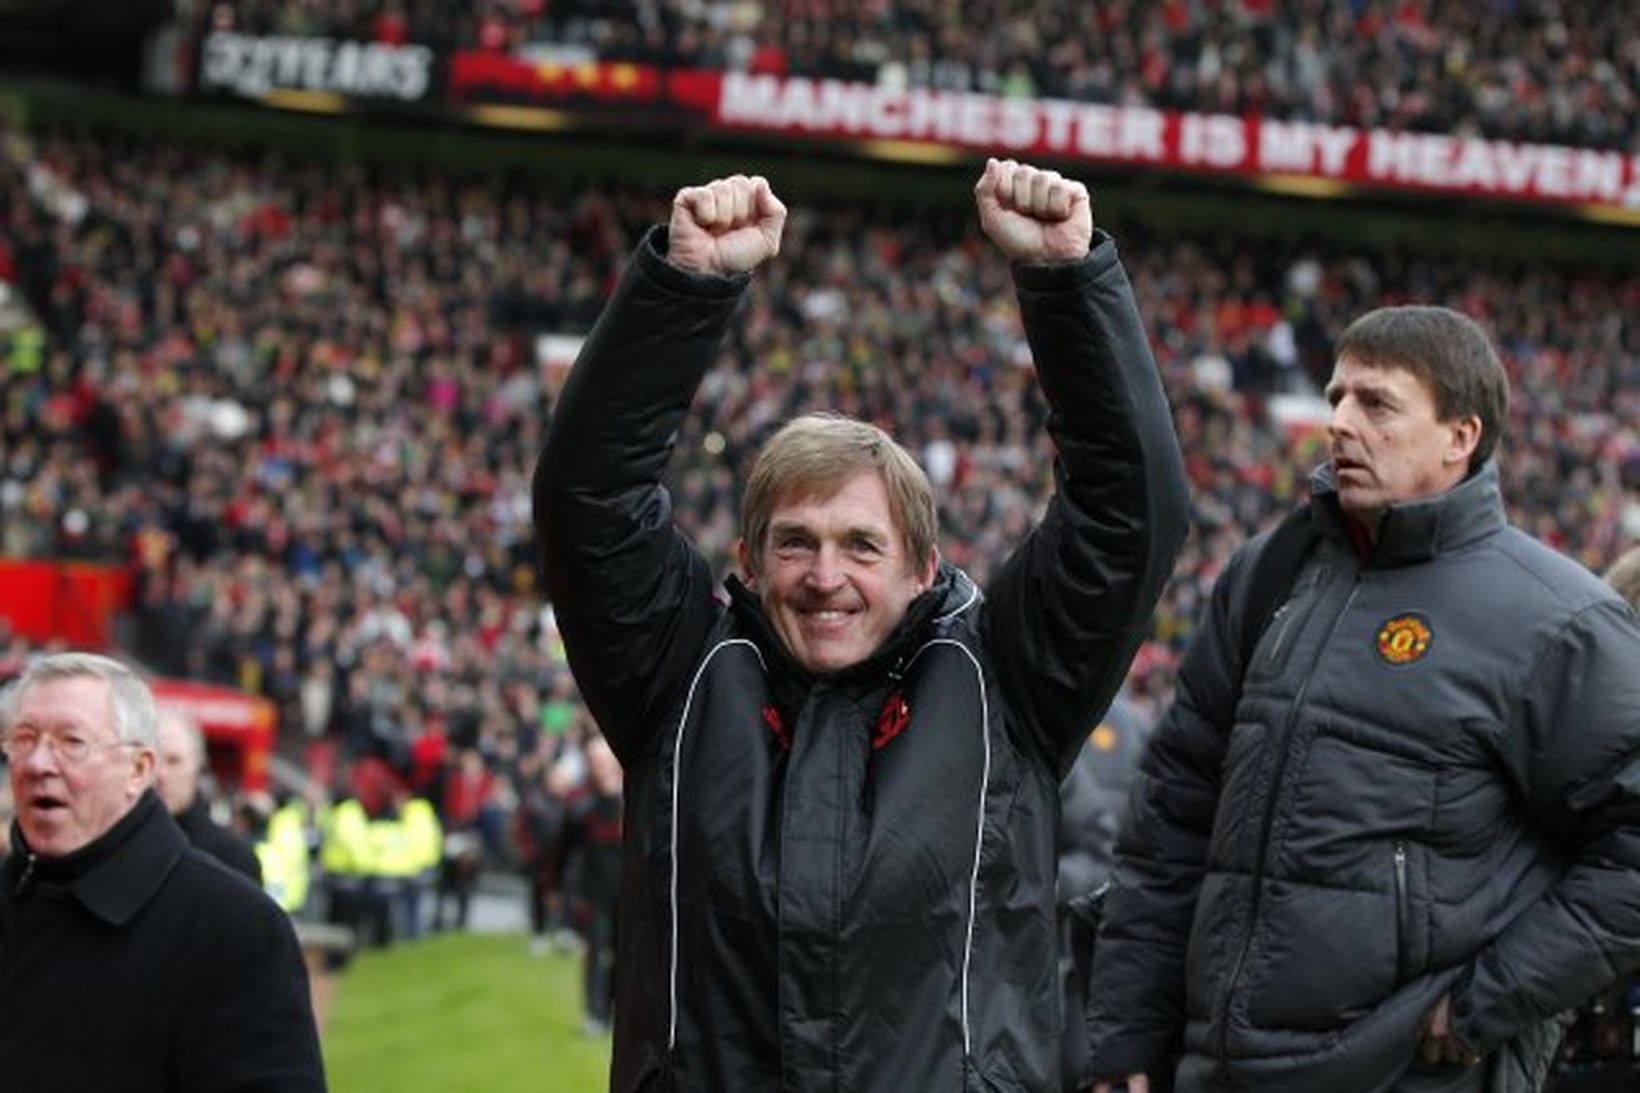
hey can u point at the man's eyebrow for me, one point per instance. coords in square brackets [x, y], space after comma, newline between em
[1336, 389]
[38, 724]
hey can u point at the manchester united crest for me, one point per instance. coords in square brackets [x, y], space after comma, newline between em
[1404, 639]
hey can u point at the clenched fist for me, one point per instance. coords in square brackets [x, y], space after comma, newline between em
[730, 225]
[1034, 215]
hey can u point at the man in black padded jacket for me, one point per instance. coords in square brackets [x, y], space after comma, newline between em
[1384, 845]
[842, 783]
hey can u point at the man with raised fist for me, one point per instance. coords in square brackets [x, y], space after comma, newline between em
[842, 773]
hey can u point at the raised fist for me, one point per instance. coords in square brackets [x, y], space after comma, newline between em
[1034, 215]
[730, 225]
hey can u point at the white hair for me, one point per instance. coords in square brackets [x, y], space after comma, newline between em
[136, 718]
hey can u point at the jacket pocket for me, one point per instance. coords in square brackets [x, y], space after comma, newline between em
[1403, 915]
[1411, 929]
[1274, 648]
[1271, 654]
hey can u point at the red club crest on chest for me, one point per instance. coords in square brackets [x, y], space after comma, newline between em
[1404, 639]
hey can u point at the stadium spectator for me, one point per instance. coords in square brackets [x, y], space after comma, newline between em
[1385, 839]
[593, 860]
[548, 779]
[178, 771]
[828, 741]
[468, 790]
[116, 932]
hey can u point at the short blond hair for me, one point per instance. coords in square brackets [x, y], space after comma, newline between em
[817, 454]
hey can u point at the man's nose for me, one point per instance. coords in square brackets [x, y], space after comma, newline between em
[825, 573]
[42, 760]
[1341, 422]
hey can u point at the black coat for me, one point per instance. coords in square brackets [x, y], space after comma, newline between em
[848, 881]
[223, 845]
[141, 965]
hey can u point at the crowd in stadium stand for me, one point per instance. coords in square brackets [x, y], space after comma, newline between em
[304, 408]
[1559, 71]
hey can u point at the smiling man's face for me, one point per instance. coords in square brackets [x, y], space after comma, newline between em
[834, 574]
[64, 804]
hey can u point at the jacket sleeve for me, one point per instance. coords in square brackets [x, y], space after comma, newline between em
[1576, 752]
[1135, 1014]
[633, 599]
[252, 1030]
[1067, 611]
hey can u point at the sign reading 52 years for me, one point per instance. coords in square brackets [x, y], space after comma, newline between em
[252, 66]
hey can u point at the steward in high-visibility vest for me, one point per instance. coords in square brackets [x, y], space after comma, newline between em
[347, 848]
[406, 844]
[424, 833]
[392, 855]
[347, 860]
[283, 852]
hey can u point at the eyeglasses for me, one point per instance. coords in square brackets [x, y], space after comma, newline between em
[68, 747]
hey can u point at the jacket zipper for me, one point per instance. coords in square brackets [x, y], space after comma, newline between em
[27, 875]
[1403, 917]
[1268, 822]
[1283, 622]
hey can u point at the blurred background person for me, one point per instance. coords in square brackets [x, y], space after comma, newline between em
[179, 780]
[1093, 799]
[592, 838]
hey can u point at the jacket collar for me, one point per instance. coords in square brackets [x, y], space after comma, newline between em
[116, 875]
[1416, 531]
[195, 820]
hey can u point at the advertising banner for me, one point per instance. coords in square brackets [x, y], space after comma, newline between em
[252, 67]
[912, 120]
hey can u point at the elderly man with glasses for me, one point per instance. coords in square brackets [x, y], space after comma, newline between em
[129, 960]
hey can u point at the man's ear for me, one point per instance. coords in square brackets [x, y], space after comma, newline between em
[1465, 435]
[143, 765]
[748, 571]
[930, 568]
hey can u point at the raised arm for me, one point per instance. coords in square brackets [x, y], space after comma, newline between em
[632, 597]
[1034, 215]
[726, 227]
[1067, 612]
